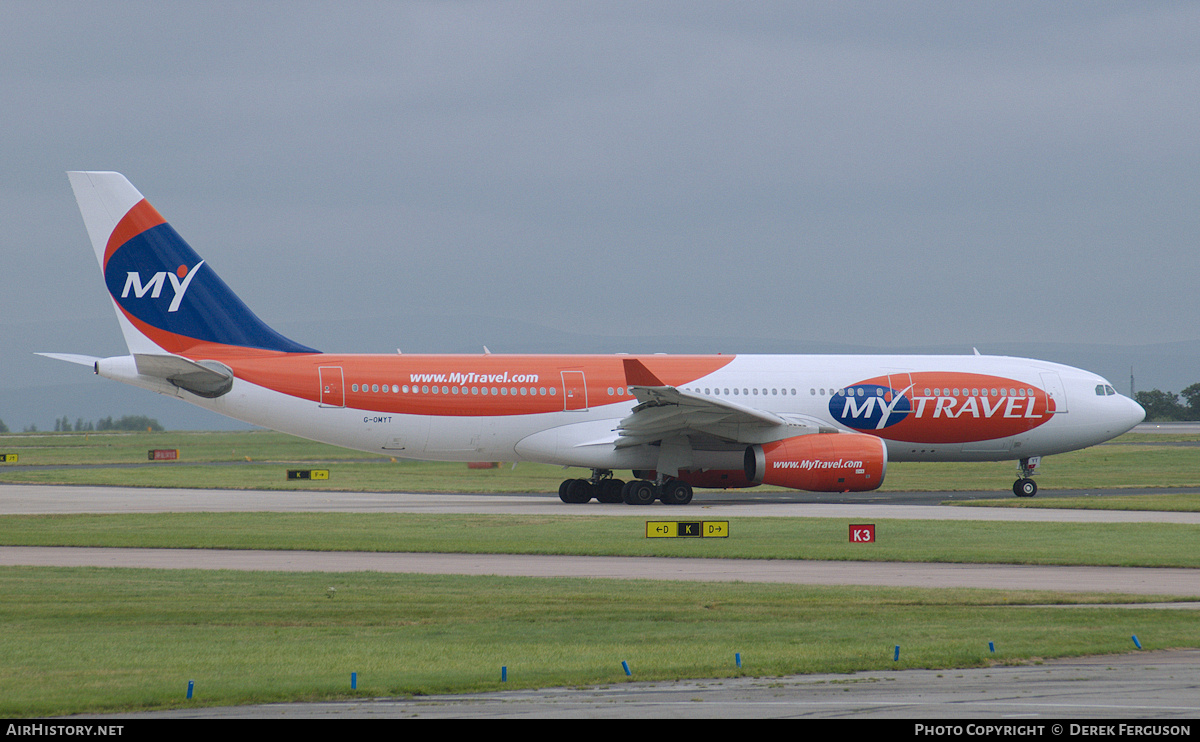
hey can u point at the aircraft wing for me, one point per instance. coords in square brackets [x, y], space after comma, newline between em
[665, 412]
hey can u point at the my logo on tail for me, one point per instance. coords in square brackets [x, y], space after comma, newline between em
[180, 280]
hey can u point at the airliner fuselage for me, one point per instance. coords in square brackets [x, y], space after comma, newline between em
[815, 422]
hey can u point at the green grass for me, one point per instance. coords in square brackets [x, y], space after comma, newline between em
[43, 449]
[1113, 465]
[1188, 502]
[1114, 544]
[384, 476]
[94, 640]
[259, 460]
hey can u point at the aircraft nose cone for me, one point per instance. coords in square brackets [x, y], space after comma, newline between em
[1134, 414]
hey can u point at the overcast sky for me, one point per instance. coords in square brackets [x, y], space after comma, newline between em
[876, 174]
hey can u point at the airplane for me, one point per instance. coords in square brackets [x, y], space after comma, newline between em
[822, 423]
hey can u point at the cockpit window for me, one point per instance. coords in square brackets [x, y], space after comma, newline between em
[1105, 390]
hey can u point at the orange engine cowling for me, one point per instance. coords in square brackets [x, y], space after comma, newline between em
[821, 462]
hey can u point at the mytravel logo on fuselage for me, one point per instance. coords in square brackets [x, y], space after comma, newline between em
[940, 407]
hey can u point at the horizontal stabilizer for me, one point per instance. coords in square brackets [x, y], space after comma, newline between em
[203, 378]
[72, 358]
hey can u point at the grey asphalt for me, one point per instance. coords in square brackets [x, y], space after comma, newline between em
[43, 499]
[1158, 688]
[1132, 580]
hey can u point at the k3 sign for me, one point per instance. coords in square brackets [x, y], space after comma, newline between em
[862, 533]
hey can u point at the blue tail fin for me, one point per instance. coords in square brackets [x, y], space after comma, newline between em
[166, 297]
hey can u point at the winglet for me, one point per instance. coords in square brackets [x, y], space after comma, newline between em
[636, 374]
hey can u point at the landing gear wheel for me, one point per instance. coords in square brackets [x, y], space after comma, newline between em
[640, 492]
[609, 490]
[1025, 488]
[676, 492]
[576, 491]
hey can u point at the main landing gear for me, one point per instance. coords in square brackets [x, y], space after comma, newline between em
[1025, 486]
[601, 486]
[605, 489]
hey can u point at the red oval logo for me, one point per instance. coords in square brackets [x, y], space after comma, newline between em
[941, 407]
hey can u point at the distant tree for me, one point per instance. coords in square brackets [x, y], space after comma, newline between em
[1192, 395]
[1161, 406]
[31, 428]
[138, 422]
[3, 427]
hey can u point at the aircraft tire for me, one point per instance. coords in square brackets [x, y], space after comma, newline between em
[640, 492]
[1025, 488]
[575, 491]
[611, 491]
[676, 492]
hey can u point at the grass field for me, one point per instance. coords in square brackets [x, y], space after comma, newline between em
[91, 640]
[259, 460]
[1110, 544]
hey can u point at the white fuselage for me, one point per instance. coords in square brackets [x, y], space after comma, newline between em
[946, 423]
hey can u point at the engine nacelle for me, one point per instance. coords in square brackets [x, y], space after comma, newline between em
[820, 462]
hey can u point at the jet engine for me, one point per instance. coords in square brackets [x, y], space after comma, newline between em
[820, 462]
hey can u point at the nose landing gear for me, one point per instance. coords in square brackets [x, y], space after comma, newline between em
[1026, 468]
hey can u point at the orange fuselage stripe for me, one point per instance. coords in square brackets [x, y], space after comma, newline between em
[516, 379]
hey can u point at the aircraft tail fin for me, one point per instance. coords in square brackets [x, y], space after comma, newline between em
[166, 297]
